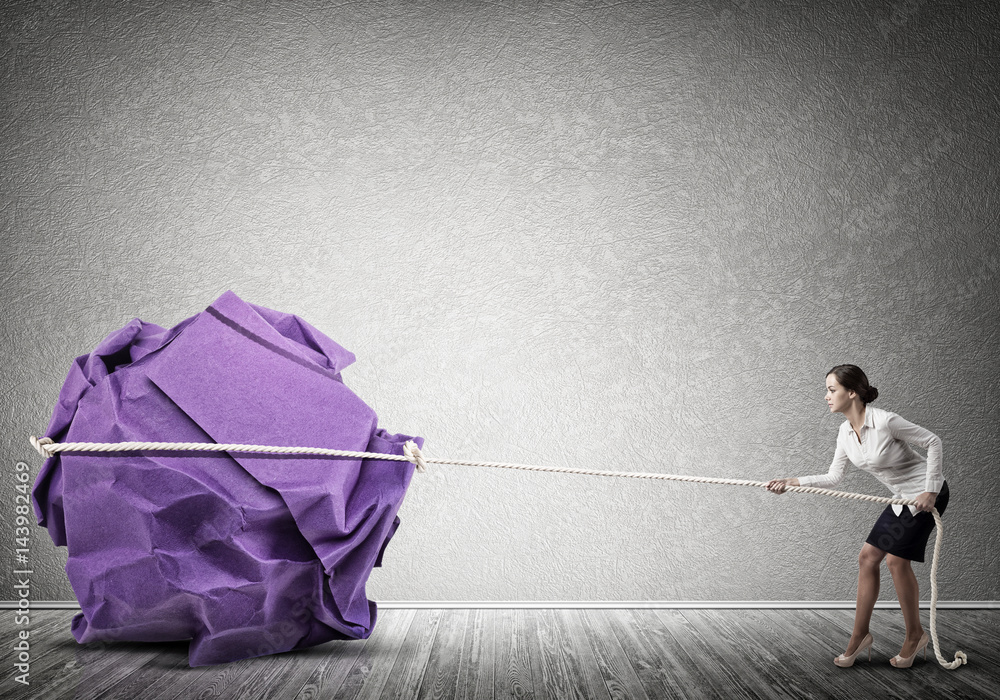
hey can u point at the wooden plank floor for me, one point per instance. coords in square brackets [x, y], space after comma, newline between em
[532, 653]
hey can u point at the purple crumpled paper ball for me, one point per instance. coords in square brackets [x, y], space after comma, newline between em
[245, 554]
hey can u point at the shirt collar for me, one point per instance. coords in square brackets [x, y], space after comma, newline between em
[869, 421]
[869, 417]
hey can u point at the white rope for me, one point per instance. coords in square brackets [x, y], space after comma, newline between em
[411, 453]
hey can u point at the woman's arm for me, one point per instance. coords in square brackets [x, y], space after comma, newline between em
[778, 485]
[912, 433]
[831, 478]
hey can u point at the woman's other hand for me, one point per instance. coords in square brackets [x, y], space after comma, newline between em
[779, 485]
[925, 501]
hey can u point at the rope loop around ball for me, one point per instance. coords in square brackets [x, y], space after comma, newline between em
[413, 454]
[40, 445]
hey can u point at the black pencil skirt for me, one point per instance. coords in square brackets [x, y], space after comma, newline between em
[906, 535]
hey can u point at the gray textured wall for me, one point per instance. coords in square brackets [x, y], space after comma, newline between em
[631, 236]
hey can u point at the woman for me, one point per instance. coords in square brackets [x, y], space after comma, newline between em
[876, 441]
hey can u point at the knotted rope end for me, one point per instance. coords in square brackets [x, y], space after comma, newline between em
[413, 454]
[40, 445]
[960, 659]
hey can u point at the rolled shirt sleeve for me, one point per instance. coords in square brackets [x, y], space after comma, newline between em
[904, 430]
[832, 477]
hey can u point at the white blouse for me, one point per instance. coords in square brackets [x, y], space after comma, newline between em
[883, 452]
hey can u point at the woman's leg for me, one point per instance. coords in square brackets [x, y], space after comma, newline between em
[909, 600]
[869, 563]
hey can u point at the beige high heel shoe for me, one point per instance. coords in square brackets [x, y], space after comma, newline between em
[901, 662]
[848, 661]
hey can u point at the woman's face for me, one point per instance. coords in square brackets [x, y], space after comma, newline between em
[837, 397]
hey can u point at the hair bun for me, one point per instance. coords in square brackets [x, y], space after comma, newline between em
[853, 378]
